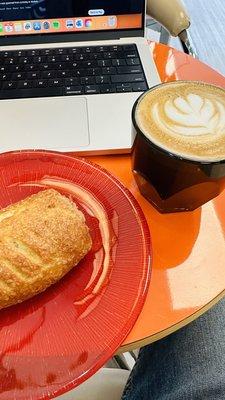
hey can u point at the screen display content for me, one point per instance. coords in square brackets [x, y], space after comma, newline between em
[24, 17]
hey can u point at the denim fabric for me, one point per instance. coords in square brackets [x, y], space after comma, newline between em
[187, 365]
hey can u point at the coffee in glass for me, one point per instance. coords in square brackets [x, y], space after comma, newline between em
[179, 150]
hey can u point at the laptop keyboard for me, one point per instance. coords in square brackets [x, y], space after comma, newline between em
[71, 71]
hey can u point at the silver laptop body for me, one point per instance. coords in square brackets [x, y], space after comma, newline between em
[86, 123]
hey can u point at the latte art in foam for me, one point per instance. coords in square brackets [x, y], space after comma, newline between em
[191, 115]
[185, 118]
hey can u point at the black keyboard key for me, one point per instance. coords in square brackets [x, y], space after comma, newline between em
[66, 57]
[34, 75]
[129, 70]
[29, 93]
[130, 54]
[114, 48]
[74, 50]
[71, 81]
[109, 55]
[92, 89]
[41, 83]
[124, 87]
[101, 49]
[139, 87]
[102, 79]
[89, 64]
[89, 80]
[74, 90]
[127, 78]
[55, 82]
[15, 68]
[31, 67]
[46, 52]
[8, 85]
[128, 47]
[80, 57]
[45, 67]
[10, 61]
[61, 66]
[88, 50]
[133, 61]
[137, 77]
[63, 74]
[25, 84]
[53, 59]
[61, 51]
[93, 71]
[5, 77]
[108, 88]
[79, 72]
[75, 64]
[39, 59]
[104, 63]
[95, 56]
[108, 70]
[19, 75]
[5, 54]
[48, 74]
[118, 62]
[31, 53]
[25, 60]
[20, 53]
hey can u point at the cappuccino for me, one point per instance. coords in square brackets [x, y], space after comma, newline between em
[185, 118]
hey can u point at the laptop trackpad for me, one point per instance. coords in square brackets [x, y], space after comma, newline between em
[44, 123]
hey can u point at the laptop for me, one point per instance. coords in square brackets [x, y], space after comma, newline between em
[70, 72]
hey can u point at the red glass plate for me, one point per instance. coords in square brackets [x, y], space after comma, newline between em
[56, 340]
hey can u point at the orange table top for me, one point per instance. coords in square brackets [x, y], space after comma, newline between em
[188, 274]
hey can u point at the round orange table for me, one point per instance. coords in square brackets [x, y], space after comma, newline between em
[188, 270]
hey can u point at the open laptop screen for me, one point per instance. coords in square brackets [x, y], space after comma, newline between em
[26, 17]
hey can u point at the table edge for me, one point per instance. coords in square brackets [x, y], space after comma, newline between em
[160, 335]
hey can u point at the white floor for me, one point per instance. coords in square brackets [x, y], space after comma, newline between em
[207, 31]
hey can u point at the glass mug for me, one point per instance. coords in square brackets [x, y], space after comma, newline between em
[170, 182]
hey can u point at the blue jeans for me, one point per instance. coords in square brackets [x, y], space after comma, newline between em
[187, 365]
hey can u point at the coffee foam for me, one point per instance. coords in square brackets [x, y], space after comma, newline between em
[185, 118]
